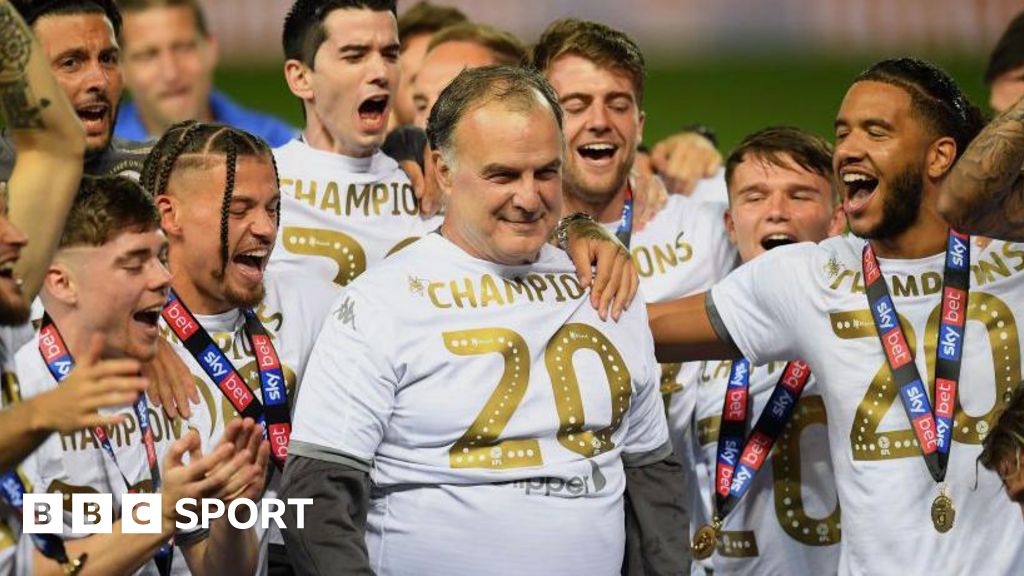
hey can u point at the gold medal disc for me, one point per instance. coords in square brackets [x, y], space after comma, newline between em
[703, 544]
[943, 513]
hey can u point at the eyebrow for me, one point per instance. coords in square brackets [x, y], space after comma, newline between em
[137, 254]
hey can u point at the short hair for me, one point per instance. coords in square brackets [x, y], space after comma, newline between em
[128, 6]
[601, 44]
[427, 18]
[515, 86]
[187, 145]
[104, 208]
[934, 96]
[32, 10]
[777, 144]
[304, 25]
[1009, 51]
[1004, 441]
[506, 47]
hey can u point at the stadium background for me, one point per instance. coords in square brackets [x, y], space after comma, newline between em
[734, 65]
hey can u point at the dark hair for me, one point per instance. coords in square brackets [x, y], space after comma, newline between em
[427, 18]
[779, 144]
[33, 10]
[128, 6]
[933, 95]
[474, 87]
[200, 140]
[304, 25]
[106, 206]
[1009, 51]
[601, 44]
[507, 49]
[1005, 440]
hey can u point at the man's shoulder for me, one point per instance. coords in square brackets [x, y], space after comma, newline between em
[268, 127]
[120, 158]
[33, 377]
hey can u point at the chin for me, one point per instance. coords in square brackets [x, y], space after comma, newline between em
[245, 298]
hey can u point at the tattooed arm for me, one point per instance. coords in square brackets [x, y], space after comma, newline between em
[984, 193]
[50, 145]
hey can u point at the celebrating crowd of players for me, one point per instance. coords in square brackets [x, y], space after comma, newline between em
[418, 309]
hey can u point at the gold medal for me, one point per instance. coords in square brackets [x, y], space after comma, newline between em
[73, 567]
[943, 513]
[703, 544]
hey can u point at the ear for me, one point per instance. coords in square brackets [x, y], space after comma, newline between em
[838, 223]
[640, 128]
[941, 157]
[730, 226]
[298, 77]
[59, 283]
[168, 209]
[443, 171]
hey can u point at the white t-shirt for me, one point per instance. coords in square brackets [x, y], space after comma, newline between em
[292, 312]
[76, 463]
[452, 375]
[807, 301]
[15, 550]
[713, 189]
[340, 215]
[788, 521]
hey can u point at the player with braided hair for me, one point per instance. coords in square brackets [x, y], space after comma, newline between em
[216, 190]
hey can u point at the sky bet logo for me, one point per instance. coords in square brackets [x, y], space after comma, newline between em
[217, 367]
[141, 513]
[956, 253]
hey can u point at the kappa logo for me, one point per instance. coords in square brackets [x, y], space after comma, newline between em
[346, 313]
[573, 487]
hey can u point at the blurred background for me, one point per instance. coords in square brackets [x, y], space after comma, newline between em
[733, 65]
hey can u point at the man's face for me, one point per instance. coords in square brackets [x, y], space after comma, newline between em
[773, 206]
[252, 228]
[84, 56]
[603, 125]
[503, 201]
[168, 65]
[14, 309]
[879, 159]
[413, 51]
[1007, 89]
[121, 289]
[1013, 481]
[440, 66]
[354, 78]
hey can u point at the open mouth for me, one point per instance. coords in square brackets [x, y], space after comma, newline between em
[252, 261]
[7, 269]
[149, 316]
[371, 111]
[93, 113]
[775, 240]
[597, 152]
[859, 188]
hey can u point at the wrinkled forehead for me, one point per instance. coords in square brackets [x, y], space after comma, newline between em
[89, 31]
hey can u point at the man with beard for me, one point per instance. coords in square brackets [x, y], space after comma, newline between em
[598, 74]
[103, 294]
[780, 187]
[469, 477]
[244, 332]
[79, 40]
[881, 316]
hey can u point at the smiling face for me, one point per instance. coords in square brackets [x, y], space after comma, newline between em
[880, 153]
[119, 290]
[14, 309]
[348, 93]
[503, 201]
[84, 56]
[191, 215]
[603, 125]
[168, 65]
[774, 205]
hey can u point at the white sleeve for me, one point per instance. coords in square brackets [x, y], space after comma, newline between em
[648, 427]
[725, 257]
[762, 303]
[349, 387]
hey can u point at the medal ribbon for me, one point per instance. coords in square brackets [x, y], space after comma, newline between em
[60, 363]
[934, 429]
[739, 458]
[275, 416]
[625, 229]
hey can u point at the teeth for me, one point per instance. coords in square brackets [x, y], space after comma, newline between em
[779, 237]
[255, 253]
[598, 147]
[7, 267]
[851, 178]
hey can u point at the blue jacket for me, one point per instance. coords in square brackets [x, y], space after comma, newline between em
[274, 131]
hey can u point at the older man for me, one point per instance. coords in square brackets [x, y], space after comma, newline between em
[524, 476]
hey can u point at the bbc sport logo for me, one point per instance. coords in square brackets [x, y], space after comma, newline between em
[141, 513]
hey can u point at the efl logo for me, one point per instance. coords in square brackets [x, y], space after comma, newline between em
[142, 513]
[957, 252]
[174, 314]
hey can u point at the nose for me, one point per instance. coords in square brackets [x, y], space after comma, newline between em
[527, 196]
[848, 150]
[597, 119]
[161, 278]
[264, 225]
[97, 78]
[10, 234]
[379, 67]
[778, 207]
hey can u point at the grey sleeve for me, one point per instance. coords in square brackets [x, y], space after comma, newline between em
[716, 322]
[332, 540]
[657, 522]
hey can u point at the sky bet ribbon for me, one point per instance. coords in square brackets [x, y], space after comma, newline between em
[739, 458]
[275, 416]
[625, 229]
[60, 363]
[934, 429]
